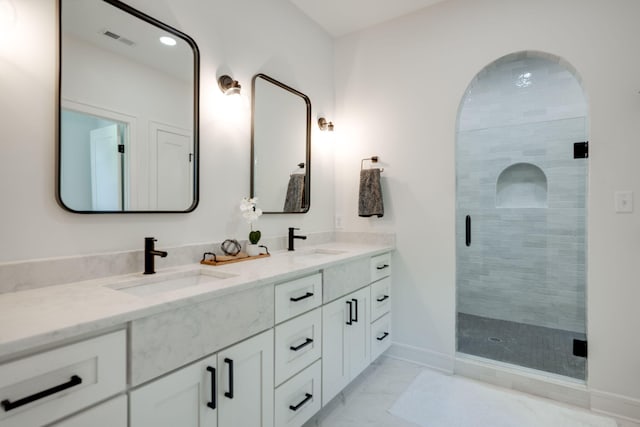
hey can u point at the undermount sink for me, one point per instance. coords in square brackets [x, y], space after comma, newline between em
[319, 251]
[166, 282]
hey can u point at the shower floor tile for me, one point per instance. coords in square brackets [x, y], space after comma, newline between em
[536, 347]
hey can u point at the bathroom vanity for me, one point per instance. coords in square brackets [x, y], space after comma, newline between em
[261, 343]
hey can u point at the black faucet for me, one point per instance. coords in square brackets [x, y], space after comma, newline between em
[293, 236]
[149, 255]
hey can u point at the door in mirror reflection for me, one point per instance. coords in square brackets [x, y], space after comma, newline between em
[128, 138]
[281, 147]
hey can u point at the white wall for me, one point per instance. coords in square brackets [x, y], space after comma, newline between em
[398, 88]
[243, 38]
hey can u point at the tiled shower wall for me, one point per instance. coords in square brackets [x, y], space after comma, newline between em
[524, 264]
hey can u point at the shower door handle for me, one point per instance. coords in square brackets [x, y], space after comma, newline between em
[468, 230]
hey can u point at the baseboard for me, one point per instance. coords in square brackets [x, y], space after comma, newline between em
[616, 405]
[429, 358]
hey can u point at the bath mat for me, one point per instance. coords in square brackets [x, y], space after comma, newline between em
[437, 400]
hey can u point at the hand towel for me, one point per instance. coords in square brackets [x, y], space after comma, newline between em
[370, 199]
[294, 200]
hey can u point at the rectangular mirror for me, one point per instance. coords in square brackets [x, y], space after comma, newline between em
[280, 147]
[128, 112]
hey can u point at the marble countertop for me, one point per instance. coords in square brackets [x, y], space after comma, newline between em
[40, 317]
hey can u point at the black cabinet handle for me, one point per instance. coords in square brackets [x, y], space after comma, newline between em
[468, 230]
[382, 267]
[307, 397]
[350, 321]
[229, 393]
[8, 405]
[356, 310]
[384, 297]
[212, 404]
[304, 344]
[307, 295]
[386, 334]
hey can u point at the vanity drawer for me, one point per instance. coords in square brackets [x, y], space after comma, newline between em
[298, 399]
[298, 344]
[380, 298]
[298, 296]
[44, 387]
[380, 336]
[380, 266]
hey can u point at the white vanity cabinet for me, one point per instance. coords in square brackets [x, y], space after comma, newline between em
[245, 383]
[345, 341]
[356, 328]
[232, 388]
[184, 398]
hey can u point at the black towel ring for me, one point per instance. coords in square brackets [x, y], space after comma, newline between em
[374, 159]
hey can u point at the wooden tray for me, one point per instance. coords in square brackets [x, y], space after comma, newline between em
[229, 259]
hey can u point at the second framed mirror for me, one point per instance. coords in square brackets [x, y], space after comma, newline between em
[280, 147]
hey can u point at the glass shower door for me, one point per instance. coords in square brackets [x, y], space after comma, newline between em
[521, 249]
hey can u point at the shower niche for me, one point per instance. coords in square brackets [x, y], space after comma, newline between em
[521, 185]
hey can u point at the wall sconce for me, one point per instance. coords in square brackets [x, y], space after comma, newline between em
[228, 86]
[323, 124]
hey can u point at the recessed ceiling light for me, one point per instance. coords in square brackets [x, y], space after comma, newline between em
[168, 41]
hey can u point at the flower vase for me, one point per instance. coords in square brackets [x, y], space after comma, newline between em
[253, 250]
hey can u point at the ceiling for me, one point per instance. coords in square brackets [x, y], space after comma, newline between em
[340, 17]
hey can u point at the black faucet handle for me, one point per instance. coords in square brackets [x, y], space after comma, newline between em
[293, 228]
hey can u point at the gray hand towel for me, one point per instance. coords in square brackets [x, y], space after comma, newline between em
[370, 199]
[294, 200]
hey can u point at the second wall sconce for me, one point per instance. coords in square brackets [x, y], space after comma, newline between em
[323, 124]
[228, 86]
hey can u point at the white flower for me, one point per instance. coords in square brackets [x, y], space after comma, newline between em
[249, 210]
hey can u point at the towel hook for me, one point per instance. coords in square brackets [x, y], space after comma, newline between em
[374, 159]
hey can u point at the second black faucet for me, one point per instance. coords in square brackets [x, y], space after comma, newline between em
[293, 236]
[149, 255]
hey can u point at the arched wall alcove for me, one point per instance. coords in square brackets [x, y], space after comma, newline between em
[522, 185]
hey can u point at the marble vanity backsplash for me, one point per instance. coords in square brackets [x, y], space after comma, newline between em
[31, 274]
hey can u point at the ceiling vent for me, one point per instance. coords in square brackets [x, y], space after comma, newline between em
[118, 37]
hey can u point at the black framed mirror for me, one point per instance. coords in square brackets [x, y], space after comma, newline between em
[280, 147]
[128, 111]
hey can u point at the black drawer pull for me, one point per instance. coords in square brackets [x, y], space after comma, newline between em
[212, 404]
[229, 393]
[384, 297]
[8, 406]
[305, 296]
[355, 319]
[350, 321]
[307, 397]
[382, 267]
[467, 232]
[304, 344]
[386, 334]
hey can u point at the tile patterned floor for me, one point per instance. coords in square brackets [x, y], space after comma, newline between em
[536, 347]
[366, 401]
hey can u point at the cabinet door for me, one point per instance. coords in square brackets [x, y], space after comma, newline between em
[112, 413]
[183, 398]
[335, 364]
[358, 333]
[245, 392]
